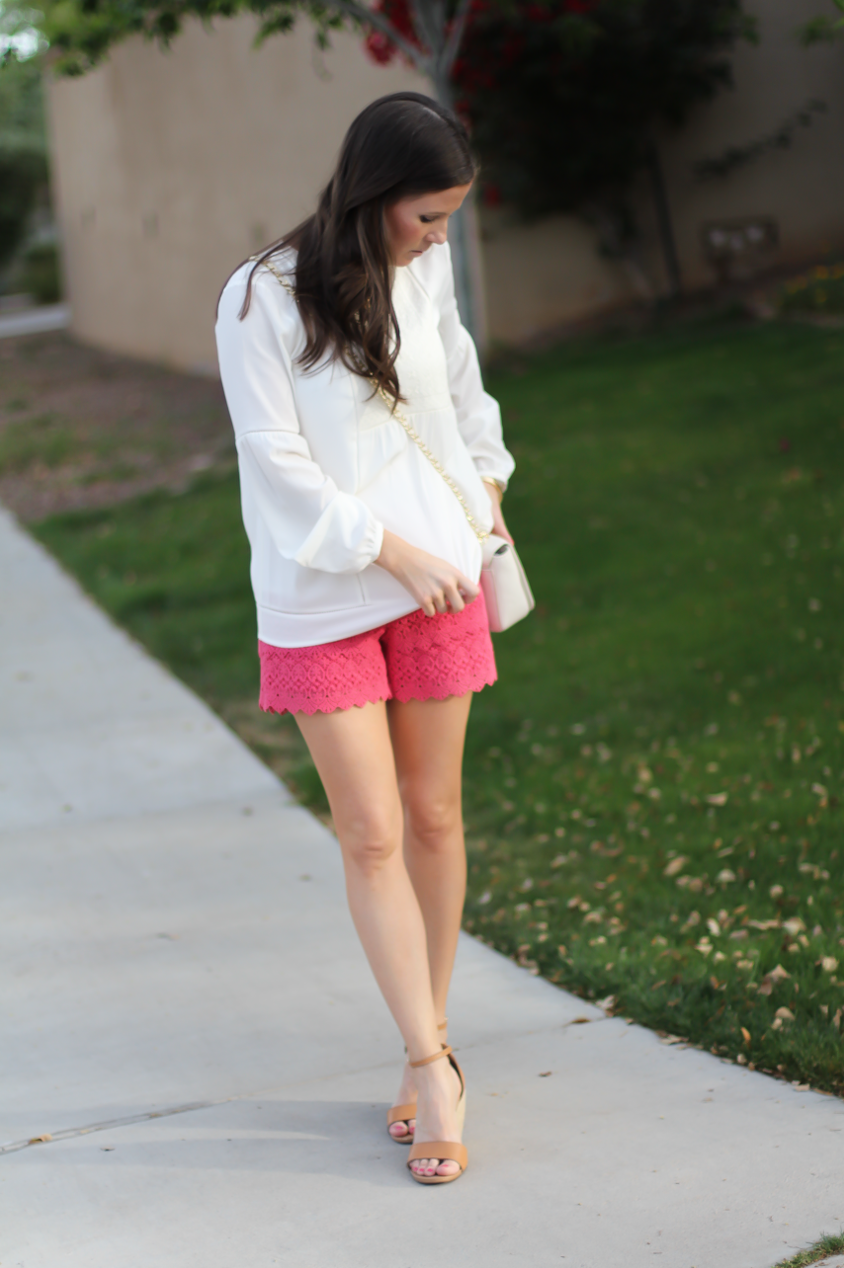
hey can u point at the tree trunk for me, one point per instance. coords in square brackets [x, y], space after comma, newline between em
[464, 237]
[664, 224]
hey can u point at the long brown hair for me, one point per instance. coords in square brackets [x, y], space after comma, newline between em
[400, 146]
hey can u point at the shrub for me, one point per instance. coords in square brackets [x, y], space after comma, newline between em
[819, 291]
[40, 273]
[23, 171]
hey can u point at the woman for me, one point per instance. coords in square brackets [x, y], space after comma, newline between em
[365, 561]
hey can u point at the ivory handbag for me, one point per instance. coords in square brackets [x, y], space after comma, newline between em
[506, 589]
[507, 593]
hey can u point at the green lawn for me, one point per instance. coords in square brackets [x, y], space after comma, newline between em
[652, 789]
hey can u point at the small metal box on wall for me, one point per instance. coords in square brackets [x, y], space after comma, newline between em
[738, 248]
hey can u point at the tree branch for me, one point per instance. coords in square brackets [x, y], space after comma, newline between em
[452, 47]
[368, 17]
[425, 25]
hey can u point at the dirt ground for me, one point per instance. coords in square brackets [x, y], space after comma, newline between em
[83, 428]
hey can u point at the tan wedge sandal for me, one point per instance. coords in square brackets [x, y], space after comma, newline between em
[444, 1150]
[403, 1113]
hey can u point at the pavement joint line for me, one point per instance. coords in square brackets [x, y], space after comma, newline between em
[48, 1138]
[70, 1133]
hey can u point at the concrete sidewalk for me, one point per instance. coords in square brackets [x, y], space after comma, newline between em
[34, 321]
[188, 1015]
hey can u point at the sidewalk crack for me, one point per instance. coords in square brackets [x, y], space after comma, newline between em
[45, 1138]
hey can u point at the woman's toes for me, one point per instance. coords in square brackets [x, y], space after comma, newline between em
[447, 1168]
[398, 1129]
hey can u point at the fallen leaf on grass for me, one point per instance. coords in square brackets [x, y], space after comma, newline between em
[675, 866]
[42, 1139]
[829, 964]
[545, 1074]
[745, 1034]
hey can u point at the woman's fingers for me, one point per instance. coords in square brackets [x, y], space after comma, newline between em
[454, 597]
[437, 586]
[468, 589]
[456, 592]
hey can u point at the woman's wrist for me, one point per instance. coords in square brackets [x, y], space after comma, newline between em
[387, 557]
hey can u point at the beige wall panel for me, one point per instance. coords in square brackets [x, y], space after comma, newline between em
[541, 275]
[171, 167]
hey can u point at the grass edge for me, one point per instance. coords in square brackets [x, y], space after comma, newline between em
[829, 1244]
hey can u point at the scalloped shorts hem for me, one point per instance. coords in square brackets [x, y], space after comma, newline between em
[413, 658]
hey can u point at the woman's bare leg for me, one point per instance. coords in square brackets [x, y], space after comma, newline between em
[353, 753]
[428, 738]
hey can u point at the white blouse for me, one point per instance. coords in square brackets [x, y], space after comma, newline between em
[325, 468]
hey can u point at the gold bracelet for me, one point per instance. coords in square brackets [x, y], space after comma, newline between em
[499, 484]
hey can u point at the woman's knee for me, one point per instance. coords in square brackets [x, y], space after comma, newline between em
[370, 841]
[434, 823]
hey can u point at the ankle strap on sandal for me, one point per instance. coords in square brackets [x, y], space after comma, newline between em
[445, 1051]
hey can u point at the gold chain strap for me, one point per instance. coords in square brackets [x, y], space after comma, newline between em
[480, 533]
[402, 418]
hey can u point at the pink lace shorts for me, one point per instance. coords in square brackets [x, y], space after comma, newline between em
[417, 657]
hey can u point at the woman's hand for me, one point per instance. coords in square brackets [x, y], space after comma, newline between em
[435, 585]
[498, 526]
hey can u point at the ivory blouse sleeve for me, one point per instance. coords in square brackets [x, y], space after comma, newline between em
[478, 414]
[309, 519]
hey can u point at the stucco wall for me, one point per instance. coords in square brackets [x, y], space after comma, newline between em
[170, 168]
